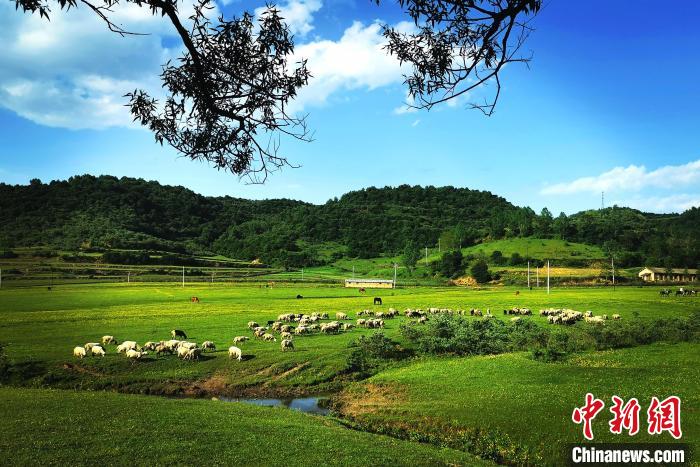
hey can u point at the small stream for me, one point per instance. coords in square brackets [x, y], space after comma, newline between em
[312, 405]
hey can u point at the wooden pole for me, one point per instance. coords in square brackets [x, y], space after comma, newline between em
[547, 276]
[183, 276]
[528, 274]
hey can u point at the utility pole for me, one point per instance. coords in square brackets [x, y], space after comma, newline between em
[547, 277]
[183, 276]
[612, 262]
[353, 271]
[426, 255]
[537, 274]
[128, 277]
[395, 266]
[439, 249]
[302, 273]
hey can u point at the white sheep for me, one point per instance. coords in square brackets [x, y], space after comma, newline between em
[235, 352]
[615, 316]
[127, 345]
[97, 351]
[240, 339]
[208, 345]
[90, 345]
[135, 354]
[150, 346]
[286, 335]
[269, 338]
[252, 325]
[79, 352]
[182, 351]
[341, 316]
[193, 354]
[108, 340]
[287, 344]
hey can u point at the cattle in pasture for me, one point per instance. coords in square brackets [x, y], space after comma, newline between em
[194, 299]
[299, 296]
[377, 301]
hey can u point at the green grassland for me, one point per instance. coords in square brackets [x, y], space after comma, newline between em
[538, 248]
[529, 401]
[40, 327]
[51, 427]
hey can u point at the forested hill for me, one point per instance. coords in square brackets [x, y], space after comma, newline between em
[87, 212]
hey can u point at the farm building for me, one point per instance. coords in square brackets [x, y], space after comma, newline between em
[370, 283]
[665, 275]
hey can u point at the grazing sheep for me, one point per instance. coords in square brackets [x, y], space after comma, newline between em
[286, 335]
[253, 325]
[423, 319]
[259, 333]
[341, 316]
[588, 314]
[347, 326]
[97, 351]
[90, 345]
[208, 345]
[175, 333]
[616, 316]
[287, 344]
[594, 319]
[235, 352]
[172, 344]
[240, 339]
[187, 345]
[605, 317]
[277, 326]
[269, 338]
[182, 351]
[79, 352]
[108, 340]
[135, 354]
[301, 330]
[163, 349]
[193, 354]
[127, 345]
[361, 322]
[516, 319]
[286, 328]
[151, 346]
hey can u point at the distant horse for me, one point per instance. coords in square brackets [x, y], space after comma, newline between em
[679, 292]
[362, 290]
[194, 299]
[377, 300]
[299, 296]
[664, 292]
[517, 292]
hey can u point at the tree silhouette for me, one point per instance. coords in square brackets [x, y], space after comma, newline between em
[228, 94]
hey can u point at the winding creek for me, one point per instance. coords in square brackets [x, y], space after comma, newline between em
[312, 405]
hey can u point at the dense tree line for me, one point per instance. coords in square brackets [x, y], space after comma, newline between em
[87, 212]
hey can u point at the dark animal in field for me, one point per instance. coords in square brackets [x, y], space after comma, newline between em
[664, 292]
[270, 322]
[299, 296]
[679, 292]
[517, 292]
[48, 288]
[377, 300]
[507, 312]
[194, 299]
[362, 290]
[175, 333]
[471, 312]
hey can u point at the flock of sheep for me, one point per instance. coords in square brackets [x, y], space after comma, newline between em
[289, 325]
[568, 316]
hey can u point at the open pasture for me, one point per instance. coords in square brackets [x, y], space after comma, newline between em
[523, 404]
[43, 326]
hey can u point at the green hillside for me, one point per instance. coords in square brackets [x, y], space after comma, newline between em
[107, 214]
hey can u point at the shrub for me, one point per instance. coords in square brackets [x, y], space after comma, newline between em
[497, 257]
[480, 271]
[369, 352]
[516, 259]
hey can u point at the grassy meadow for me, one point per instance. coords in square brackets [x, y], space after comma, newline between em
[528, 403]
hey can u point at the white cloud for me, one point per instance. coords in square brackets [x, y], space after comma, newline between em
[408, 107]
[356, 61]
[72, 72]
[298, 14]
[661, 204]
[631, 178]
[415, 123]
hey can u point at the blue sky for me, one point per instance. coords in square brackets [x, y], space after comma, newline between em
[610, 102]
